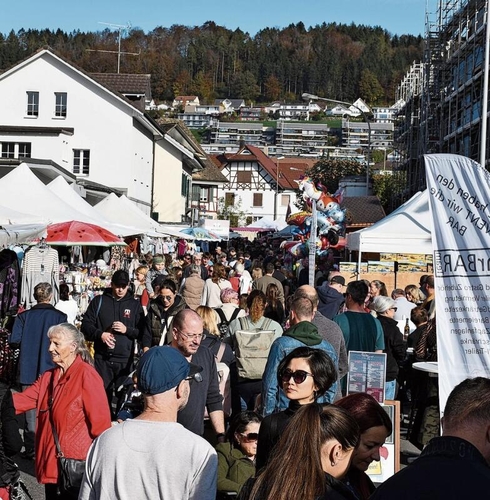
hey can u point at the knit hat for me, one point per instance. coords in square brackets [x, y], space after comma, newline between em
[158, 260]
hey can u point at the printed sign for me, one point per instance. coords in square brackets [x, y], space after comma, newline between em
[367, 373]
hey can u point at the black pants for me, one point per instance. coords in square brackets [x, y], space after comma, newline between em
[51, 493]
[113, 373]
[248, 391]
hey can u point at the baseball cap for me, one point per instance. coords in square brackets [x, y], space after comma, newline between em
[338, 279]
[162, 368]
[120, 278]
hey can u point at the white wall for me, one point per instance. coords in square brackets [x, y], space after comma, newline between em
[120, 154]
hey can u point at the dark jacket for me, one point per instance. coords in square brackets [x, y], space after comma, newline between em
[158, 320]
[330, 301]
[203, 394]
[30, 334]
[102, 311]
[234, 468]
[436, 471]
[334, 490]
[395, 348]
[10, 442]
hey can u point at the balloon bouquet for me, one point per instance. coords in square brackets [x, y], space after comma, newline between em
[330, 221]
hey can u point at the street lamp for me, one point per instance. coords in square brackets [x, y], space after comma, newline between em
[277, 185]
[312, 97]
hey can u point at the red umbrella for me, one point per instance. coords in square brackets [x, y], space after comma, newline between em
[81, 233]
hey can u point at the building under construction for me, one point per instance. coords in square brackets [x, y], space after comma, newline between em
[443, 95]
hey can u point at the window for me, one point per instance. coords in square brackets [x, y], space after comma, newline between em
[284, 200]
[16, 150]
[184, 188]
[32, 103]
[60, 104]
[229, 199]
[81, 161]
[8, 149]
[257, 200]
[204, 194]
[24, 149]
[244, 177]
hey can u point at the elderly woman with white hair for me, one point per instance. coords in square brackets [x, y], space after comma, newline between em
[69, 399]
[395, 347]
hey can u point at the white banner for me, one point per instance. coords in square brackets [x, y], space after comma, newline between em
[459, 200]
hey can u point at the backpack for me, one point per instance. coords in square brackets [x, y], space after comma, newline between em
[223, 325]
[252, 346]
[223, 381]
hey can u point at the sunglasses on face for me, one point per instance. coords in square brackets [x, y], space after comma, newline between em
[196, 377]
[251, 436]
[394, 308]
[299, 376]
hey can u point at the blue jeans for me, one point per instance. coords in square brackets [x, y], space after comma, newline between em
[390, 389]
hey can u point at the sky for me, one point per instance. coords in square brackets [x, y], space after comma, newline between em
[396, 16]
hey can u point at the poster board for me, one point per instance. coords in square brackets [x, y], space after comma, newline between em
[389, 463]
[367, 373]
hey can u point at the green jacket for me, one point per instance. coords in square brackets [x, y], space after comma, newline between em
[234, 468]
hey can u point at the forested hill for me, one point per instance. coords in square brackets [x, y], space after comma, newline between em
[332, 60]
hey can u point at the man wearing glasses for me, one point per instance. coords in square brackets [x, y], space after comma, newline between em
[197, 259]
[187, 332]
[152, 456]
[113, 321]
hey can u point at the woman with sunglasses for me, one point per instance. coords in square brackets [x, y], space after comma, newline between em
[395, 347]
[311, 457]
[236, 456]
[304, 375]
[375, 426]
[161, 312]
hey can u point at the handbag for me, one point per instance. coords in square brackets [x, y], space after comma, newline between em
[19, 491]
[70, 470]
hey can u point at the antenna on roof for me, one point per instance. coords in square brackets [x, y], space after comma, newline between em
[121, 28]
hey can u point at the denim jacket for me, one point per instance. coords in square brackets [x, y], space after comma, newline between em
[273, 397]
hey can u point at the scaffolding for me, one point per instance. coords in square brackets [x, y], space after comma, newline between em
[443, 95]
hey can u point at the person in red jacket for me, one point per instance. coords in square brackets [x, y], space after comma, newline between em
[72, 396]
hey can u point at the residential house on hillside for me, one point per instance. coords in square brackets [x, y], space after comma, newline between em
[230, 105]
[184, 100]
[63, 118]
[261, 186]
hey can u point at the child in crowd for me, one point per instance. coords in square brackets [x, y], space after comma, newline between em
[140, 291]
[157, 269]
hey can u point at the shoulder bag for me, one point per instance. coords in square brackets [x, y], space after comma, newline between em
[70, 470]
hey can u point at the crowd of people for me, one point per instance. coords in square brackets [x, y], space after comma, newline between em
[223, 376]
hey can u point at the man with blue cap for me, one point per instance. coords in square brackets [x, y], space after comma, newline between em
[153, 456]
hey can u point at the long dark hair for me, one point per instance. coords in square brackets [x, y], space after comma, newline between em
[321, 367]
[295, 469]
[272, 295]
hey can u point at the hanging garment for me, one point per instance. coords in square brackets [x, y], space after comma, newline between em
[9, 283]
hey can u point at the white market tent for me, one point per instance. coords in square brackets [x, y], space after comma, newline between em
[12, 234]
[63, 190]
[22, 191]
[117, 209]
[406, 230]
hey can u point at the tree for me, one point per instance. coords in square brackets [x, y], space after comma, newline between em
[369, 87]
[272, 88]
[231, 211]
[244, 86]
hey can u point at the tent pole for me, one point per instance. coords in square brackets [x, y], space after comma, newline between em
[359, 262]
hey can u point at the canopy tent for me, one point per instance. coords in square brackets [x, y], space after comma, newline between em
[23, 191]
[115, 208]
[266, 223]
[12, 234]
[63, 190]
[406, 230]
[9, 217]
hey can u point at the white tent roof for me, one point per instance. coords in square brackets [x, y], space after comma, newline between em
[11, 234]
[121, 209]
[63, 190]
[406, 230]
[265, 223]
[22, 190]
[9, 216]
